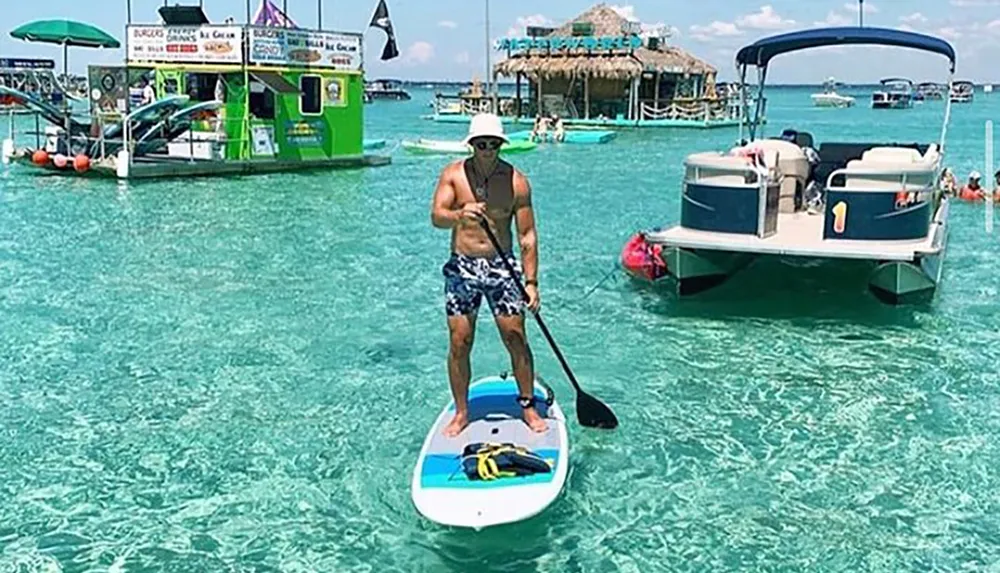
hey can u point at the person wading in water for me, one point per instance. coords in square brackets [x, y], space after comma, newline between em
[485, 188]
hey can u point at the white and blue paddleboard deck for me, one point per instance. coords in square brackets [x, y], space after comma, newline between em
[444, 494]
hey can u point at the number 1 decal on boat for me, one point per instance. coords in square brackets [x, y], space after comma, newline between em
[839, 217]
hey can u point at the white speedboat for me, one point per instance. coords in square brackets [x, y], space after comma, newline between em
[875, 202]
[962, 91]
[830, 98]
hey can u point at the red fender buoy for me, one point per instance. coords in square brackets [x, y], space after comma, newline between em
[642, 260]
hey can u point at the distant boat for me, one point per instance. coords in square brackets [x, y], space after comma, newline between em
[962, 91]
[830, 97]
[931, 90]
[897, 94]
[386, 89]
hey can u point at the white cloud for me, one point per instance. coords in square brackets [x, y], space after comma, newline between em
[765, 19]
[974, 3]
[993, 25]
[869, 7]
[715, 30]
[949, 33]
[915, 18]
[523, 22]
[462, 58]
[834, 19]
[419, 52]
[448, 24]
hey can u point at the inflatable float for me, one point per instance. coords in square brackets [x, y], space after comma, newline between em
[643, 260]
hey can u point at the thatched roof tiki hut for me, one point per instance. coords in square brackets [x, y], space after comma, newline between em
[599, 68]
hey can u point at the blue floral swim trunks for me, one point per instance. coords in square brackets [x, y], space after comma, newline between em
[468, 279]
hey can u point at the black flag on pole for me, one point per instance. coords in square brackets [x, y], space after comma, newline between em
[380, 19]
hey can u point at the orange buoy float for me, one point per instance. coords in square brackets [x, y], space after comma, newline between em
[59, 160]
[40, 157]
[81, 163]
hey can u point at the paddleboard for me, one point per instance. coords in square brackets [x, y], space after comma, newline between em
[443, 493]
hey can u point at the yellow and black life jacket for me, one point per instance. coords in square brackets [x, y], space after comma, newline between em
[487, 461]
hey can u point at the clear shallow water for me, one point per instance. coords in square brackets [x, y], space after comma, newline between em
[237, 375]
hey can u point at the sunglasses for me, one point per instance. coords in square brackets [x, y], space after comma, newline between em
[483, 145]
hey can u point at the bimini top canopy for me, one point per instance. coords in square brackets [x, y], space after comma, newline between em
[760, 52]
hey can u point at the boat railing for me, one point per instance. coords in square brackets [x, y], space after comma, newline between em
[880, 179]
[699, 109]
[472, 104]
[727, 170]
[41, 135]
[108, 146]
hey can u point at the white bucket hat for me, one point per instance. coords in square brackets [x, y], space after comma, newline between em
[485, 125]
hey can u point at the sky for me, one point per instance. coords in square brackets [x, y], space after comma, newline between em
[445, 39]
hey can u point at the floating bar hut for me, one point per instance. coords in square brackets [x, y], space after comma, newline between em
[601, 69]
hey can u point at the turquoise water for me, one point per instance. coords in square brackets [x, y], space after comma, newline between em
[237, 375]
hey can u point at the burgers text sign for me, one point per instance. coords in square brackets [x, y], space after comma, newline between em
[193, 44]
[290, 47]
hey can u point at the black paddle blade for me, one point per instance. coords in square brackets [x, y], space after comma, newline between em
[592, 413]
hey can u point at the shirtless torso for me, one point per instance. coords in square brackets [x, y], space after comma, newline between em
[505, 189]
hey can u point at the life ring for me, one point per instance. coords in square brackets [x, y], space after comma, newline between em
[108, 82]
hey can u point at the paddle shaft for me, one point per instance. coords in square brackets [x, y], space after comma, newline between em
[524, 293]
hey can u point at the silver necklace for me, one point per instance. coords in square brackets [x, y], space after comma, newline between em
[482, 188]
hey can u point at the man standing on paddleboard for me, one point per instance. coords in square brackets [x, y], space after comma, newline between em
[486, 188]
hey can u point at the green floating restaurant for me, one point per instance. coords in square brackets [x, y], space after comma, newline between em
[601, 69]
[226, 99]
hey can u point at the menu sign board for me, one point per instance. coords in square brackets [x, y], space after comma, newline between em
[27, 64]
[192, 44]
[293, 47]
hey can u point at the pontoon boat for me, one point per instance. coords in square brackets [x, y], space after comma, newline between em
[962, 91]
[931, 90]
[897, 93]
[386, 89]
[877, 202]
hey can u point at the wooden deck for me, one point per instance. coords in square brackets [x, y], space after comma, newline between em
[799, 234]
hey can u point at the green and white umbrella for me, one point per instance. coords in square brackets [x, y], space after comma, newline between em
[65, 33]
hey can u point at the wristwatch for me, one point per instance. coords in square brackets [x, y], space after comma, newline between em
[530, 282]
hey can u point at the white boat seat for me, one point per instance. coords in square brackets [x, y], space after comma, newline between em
[791, 160]
[902, 155]
[793, 169]
[891, 154]
[896, 162]
[917, 174]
